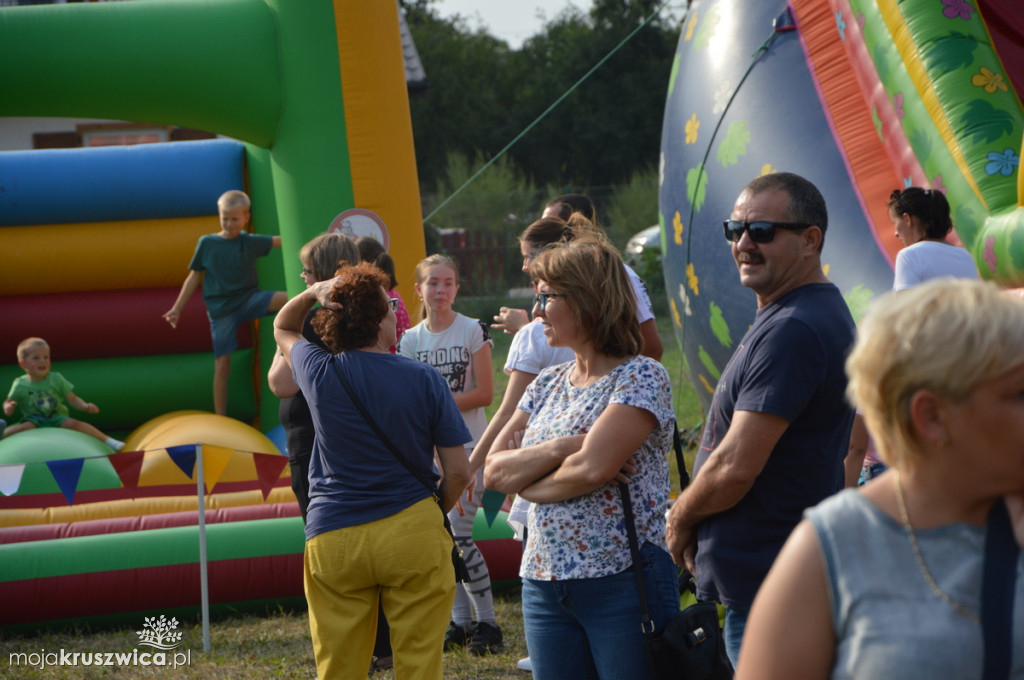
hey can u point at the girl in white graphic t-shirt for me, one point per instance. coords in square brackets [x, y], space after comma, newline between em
[460, 348]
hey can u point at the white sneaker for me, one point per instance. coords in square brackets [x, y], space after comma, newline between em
[525, 665]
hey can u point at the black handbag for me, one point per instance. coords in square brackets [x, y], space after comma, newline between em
[458, 563]
[691, 646]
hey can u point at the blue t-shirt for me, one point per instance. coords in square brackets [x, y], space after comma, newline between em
[790, 364]
[230, 269]
[353, 477]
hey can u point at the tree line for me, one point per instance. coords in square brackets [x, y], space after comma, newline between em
[604, 138]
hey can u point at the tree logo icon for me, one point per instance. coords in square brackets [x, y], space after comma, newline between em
[160, 632]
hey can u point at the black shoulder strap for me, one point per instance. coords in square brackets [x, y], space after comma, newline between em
[646, 623]
[677, 444]
[387, 442]
[998, 587]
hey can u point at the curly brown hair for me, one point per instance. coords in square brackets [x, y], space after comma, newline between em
[363, 306]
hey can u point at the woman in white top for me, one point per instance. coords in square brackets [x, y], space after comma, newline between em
[922, 221]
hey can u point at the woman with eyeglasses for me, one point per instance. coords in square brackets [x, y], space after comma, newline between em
[321, 258]
[581, 428]
[922, 221]
[373, 529]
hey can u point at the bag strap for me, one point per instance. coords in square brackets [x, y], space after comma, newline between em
[383, 437]
[677, 444]
[998, 586]
[646, 623]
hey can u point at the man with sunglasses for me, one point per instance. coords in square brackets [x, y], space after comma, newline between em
[779, 424]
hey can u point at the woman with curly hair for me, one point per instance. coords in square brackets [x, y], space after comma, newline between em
[372, 529]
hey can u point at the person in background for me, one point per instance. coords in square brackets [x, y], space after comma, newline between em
[922, 221]
[224, 264]
[373, 530]
[321, 258]
[43, 396]
[885, 582]
[779, 426]
[371, 250]
[562, 208]
[460, 349]
[603, 418]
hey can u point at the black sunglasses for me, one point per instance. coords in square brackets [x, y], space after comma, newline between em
[760, 231]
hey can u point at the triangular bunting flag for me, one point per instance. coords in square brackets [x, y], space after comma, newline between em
[10, 478]
[268, 470]
[215, 459]
[66, 474]
[184, 457]
[491, 503]
[128, 465]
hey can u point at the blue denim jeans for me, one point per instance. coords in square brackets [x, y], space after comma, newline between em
[735, 625]
[590, 628]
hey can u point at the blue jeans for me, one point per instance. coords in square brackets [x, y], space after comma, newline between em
[590, 628]
[735, 625]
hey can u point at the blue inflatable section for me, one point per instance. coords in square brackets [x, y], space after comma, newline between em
[712, 146]
[109, 184]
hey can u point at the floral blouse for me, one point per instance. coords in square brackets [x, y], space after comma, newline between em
[585, 536]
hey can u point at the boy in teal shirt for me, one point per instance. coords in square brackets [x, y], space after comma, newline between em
[43, 397]
[225, 264]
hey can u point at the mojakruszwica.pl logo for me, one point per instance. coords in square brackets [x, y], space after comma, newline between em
[157, 634]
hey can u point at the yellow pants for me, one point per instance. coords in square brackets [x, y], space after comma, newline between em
[405, 560]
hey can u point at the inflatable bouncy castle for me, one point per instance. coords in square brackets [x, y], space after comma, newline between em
[859, 96]
[94, 244]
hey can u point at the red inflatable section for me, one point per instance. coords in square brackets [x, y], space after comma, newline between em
[149, 589]
[109, 324]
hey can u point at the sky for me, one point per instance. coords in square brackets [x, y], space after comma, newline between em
[511, 20]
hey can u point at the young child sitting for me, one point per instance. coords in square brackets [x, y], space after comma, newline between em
[43, 396]
[225, 264]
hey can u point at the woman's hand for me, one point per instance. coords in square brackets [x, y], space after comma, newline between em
[322, 291]
[629, 469]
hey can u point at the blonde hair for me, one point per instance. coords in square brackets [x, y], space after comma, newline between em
[327, 253]
[424, 265]
[233, 198]
[946, 336]
[27, 344]
[590, 272]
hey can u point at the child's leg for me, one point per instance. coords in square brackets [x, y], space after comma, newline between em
[81, 426]
[221, 373]
[20, 427]
[474, 600]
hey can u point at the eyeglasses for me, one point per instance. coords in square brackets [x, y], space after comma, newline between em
[542, 299]
[393, 303]
[760, 231]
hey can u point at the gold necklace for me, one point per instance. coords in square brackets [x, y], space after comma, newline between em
[957, 607]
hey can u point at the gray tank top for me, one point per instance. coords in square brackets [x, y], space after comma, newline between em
[888, 622]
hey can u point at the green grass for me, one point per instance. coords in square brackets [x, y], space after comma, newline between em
[248, 647]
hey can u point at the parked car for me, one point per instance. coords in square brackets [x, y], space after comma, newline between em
[648, 240]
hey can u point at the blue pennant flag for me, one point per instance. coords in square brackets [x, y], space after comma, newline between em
[66, 474]
[184, 457]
